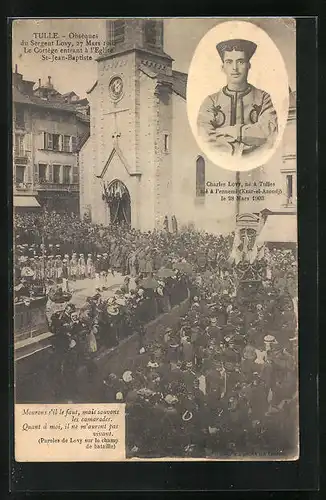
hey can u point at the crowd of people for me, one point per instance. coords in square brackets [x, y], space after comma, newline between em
[223, 380]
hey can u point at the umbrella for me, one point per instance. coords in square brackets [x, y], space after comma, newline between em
[184, 267]
[27, 272]
[59, 297]
[149, 283]
[113, 310]
[165, 273]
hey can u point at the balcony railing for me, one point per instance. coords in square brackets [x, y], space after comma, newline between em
[56, 186]
[23, 186]
[20, 158]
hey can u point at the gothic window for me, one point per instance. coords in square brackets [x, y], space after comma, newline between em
[150, 32]
[118, 31]
[289, 189]
[166, 143]
[200, 177]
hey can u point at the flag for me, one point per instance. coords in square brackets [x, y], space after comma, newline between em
[253, 253]
[261, 252]
[245, 251]
[245, 242]
[235, 255]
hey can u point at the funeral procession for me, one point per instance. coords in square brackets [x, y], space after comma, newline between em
[141, 274]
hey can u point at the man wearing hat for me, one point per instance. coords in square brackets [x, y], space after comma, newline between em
[89, 266]
[239, 118]
[58, 267]
[81, 266]
[50, 270]
[65, 276]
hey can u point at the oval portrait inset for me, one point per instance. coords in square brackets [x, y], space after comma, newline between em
[237, 96]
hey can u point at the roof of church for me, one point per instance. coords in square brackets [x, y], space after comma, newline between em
[82, 139]
[180, 83]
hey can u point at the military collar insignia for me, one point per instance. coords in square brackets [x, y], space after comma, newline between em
[241, 93]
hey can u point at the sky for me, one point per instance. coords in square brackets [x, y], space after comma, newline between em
[181, 37]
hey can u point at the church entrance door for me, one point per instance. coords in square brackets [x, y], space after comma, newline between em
[118, 199]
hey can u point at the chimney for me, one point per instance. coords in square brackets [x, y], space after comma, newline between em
[16, 68]
[49, 81]
[39, 82]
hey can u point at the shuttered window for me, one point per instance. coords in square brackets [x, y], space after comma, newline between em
[56, 138]
[75, 175]
[50, 172]
[56, 174]
[66, 143]
[36, 172]
[73, 144]
[48, 141]
[66, 174]
[19, 145]
[42, 171]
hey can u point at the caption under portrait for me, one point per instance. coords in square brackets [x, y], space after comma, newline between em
[61, 433]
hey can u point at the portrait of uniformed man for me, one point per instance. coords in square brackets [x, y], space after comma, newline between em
[239, 118]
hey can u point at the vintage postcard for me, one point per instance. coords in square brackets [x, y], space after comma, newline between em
[155, 239]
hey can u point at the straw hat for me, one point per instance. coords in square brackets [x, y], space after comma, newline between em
[127, 376]
[170, 399]
[270, 339]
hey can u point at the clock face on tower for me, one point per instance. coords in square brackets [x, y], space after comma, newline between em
[116, 88]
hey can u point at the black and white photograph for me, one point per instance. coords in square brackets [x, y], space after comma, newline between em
[238, 125]
[155, 238]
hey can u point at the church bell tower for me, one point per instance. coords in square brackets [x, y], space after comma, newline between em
[132, 123]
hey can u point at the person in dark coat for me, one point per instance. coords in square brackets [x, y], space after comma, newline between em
[166, 223]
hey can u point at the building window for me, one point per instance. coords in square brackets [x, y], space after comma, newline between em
[56, 173]
[66, 174]
[42, 169]
[200, 177]
[20, 117]
[19, 145]
[48, 141]
[73, 144]
[150, 32]
[20, 174]
[66, 143]
[56, 142]
[166, 143]
[75, 175]
[289, 189]
[118, 31]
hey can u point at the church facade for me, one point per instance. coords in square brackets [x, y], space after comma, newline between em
[141, 162]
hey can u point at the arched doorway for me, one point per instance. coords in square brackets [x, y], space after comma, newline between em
[117, 197]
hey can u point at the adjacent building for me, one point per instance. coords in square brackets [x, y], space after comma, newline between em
[141, 161]
[48, 128]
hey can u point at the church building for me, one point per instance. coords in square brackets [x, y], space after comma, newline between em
[141, 161]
